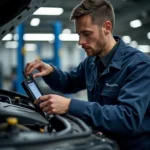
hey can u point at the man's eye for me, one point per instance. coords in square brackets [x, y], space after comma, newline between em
[87, 34]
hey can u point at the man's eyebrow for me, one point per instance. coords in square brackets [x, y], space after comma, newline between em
[82, 32]
[77, 32]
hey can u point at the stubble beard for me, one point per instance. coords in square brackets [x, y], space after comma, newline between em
[101, 52]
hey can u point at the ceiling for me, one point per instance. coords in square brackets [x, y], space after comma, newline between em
[125, 10]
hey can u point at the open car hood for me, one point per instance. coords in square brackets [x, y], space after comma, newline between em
[13, 12]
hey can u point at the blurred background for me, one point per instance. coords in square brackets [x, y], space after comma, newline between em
[49, 35]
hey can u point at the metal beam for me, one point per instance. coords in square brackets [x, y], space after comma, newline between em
[57, 27]
[20, 58]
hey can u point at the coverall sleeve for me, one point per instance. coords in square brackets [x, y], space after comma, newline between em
[67, 82]
[124, 117]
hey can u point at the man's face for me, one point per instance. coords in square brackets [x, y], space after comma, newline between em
[91, 36]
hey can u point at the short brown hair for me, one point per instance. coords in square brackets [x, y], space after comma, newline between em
[100, 10]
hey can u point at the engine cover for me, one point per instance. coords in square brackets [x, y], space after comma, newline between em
[25, 116]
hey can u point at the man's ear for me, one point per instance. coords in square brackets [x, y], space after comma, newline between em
[107, 27]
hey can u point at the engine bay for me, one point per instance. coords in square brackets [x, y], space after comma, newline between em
[22, 127]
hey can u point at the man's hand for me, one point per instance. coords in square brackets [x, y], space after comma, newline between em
[43, 68]
[53, 104]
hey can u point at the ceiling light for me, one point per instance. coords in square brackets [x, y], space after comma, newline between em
[66, 31]
[35, 22]
[38, 37]
[69, 37]
[48, 11]
[16, 37]
[126, 39]
[144, 48]
[148, 35]
[50, 37]
[7, 37]
[14, 45]
[135, 23]
[47, 37]
[11, 44]
[134, 44]
[30, 47]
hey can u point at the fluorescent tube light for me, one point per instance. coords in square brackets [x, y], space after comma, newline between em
[134, 44]
[16, 37]
[7, 37]
[69, 37]
[14, 45]
[48, 11]
[136, 23]
[38, 37]
[50, 37]
[30, 47]
[35, 22]
[144, 48]
[66, 31]
[148, 35]
[126, 39]
[11, 44]
[47, 37]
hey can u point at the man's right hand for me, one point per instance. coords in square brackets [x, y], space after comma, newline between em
[43, 68]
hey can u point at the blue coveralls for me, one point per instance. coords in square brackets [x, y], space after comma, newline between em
[118, 100]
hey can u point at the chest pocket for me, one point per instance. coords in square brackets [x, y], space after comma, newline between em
[110, 95]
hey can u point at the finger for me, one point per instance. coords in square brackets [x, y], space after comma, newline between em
[39, 74]
[44, 104]
[42, 98]
[28, 67]
[47, 109]
[31, 66]
[37, 101]
[50, 113]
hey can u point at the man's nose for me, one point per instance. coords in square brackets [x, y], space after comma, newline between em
[81, 41]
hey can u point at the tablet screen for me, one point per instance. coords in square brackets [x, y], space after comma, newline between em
[34, 90]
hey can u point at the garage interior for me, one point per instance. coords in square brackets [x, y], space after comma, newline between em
[38, 32]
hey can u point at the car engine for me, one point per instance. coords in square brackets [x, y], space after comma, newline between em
[22, 127]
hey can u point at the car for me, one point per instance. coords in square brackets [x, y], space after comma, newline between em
[22, 124]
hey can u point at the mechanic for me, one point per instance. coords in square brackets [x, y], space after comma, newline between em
[116, 76]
